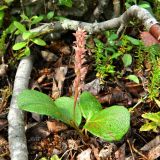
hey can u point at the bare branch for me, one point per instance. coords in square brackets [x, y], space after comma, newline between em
[16, 131]
[133, 12]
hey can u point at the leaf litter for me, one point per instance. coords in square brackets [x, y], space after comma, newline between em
[48, 138]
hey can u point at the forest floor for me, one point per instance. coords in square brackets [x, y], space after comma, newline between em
[121, 71]
[47, 138]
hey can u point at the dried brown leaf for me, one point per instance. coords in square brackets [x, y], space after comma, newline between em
[120, 153]
[56, 126]
[154, 153]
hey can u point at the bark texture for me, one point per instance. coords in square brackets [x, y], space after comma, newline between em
[16, 130]
[133, 12]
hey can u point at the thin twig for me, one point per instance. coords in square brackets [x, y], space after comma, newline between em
[130, 147]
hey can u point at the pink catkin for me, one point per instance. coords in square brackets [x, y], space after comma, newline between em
[80, 70]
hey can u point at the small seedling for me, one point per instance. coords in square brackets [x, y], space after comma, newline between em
[28, 37]
[154, 124]
[105, 54]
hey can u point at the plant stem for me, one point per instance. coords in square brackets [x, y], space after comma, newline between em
[80, 132]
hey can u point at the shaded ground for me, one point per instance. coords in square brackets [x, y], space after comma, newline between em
[61, 140]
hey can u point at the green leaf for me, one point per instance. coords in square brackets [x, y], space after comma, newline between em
[9, 1]
[26, 35]
[27, 51]
[111, 124]
[89, 105]
[144, 6]
[98, 43]
[3, 7]
[61, 109]
[55, 157]
[115, 55]
[67, 3]
[149, 126]
[20, 26]
[24, 17]
[127, 5]
[133, 40]
[133, 78]
[50, 15]
[127, 60]
[39, 41]
[19, 45]
[11, 28]
[155, 117]
[43, 158]
[34, 101]
[65, 105]
[36, 19]
[113, 37]
[1, 17]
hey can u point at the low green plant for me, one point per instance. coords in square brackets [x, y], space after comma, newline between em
[28, 37]
[153, 56]
[154, 85]
[105, 54]
[4, 36]
[141, 3]
[111, 124]
[153, 122]
[67, 3]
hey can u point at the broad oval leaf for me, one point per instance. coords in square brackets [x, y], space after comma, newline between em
[50, 15]
[66, 107]
[26, 35]
[111, 124]
[19, 45]
[133, 78]
[39, 41]
[89, 105]
[20, 26]
[127, 60]
[34, 101]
